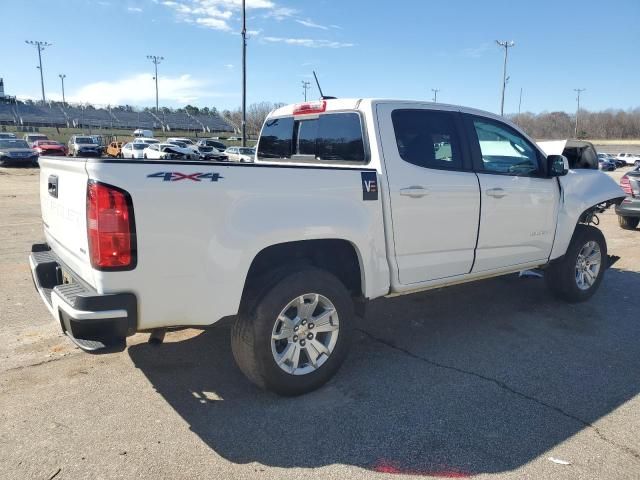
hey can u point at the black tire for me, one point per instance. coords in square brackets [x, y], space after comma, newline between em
[251, 332]
[560, 276]
[628, 223]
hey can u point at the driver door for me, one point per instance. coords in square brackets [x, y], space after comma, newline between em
[519, 203]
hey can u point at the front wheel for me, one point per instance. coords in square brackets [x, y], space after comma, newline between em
[297, 334]
[577, 276]
[628, 223]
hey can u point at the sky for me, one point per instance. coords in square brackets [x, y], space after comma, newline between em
[359, 48]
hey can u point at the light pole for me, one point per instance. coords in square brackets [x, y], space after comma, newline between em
[244, 73]
[156, 60]
[62, 77]
[40, 46]
[506, 45]
[435, 94]
[305, 86]
[579, 91]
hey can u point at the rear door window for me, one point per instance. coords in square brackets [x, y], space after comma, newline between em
[428, 138]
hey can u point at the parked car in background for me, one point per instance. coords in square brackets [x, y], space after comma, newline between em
[99, 140]
[7, 135]
[147, 140]
[30, 138]
[606, 165]
[134, 150]
[83, 146]
[49, 147]
[115, 149]
[142, 133]
[17, 152]
[162, 151]
[628, 158]
[191, 147]
[211, 153]
[186, 140]
[240, 154]
[629, 210]
[212, 142]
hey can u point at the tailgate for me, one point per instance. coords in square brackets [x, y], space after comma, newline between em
[63, 200]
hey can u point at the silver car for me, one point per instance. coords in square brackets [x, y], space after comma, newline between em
[16, 151]
[84, 146]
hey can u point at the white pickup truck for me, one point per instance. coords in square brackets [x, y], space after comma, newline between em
[347, 201]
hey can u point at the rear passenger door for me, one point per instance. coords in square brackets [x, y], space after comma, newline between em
[519, 201]
[433, 192]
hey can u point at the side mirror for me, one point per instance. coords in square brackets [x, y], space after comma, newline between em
[557, 165]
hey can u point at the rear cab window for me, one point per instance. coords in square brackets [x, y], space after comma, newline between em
[332, 137]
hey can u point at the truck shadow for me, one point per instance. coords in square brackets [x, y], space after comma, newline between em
[479, 378]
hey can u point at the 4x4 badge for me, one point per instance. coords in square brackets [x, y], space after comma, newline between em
[177, 176]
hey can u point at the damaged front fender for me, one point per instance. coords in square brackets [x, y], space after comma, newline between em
[583, 193]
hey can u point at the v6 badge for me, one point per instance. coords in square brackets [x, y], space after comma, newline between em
[369, 185]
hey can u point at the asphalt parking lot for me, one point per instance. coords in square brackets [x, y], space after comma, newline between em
[491, 379]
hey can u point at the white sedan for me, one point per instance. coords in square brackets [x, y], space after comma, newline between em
[160, 151]
[133, 150]
[240, 154]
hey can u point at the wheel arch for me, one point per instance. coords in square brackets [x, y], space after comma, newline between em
[338, 256]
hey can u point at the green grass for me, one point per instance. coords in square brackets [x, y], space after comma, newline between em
[63, 134]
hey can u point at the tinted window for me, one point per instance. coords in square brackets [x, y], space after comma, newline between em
[13, 144]
[427, 138]
[333, 136]
[504, 150]
[275, 140]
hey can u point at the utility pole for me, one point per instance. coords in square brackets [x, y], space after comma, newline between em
[156, 60]
[579, 91]
[435, 94]
[506, 45]
[40, 46]
[520, 102]
[305, 86]
[62, 77]
[244, 73]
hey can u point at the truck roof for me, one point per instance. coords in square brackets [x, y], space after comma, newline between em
[356, 103]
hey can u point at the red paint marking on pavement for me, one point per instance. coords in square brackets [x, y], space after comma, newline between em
[384, 466]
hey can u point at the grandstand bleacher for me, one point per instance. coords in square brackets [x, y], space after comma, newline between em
[56, 115]
[40, 115]
[7, 115]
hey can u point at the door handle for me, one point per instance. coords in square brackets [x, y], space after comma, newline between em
[414, 191]
[496, 192]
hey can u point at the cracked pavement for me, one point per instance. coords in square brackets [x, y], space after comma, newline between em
[492, 379]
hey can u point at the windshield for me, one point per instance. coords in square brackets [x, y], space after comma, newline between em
[140, 146]
[247, 151]
[84, 140]
[4, 143]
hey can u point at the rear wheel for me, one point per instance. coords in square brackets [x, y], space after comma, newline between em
[577, 276]
[297, 334]
[628, 223]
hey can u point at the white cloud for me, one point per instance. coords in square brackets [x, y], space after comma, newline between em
[311, 24]
[139, 89]
[309, 42]
[217, 14]
[134, 9]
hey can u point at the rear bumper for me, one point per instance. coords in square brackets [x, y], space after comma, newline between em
[93, 321]
[629, 208]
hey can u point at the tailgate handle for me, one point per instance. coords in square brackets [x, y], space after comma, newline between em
[52, 186]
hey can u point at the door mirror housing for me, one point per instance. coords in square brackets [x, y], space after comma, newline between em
[557, 165]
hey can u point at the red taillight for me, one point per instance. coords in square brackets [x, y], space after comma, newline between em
[626, 186]
[110, 228]
[310, 108]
